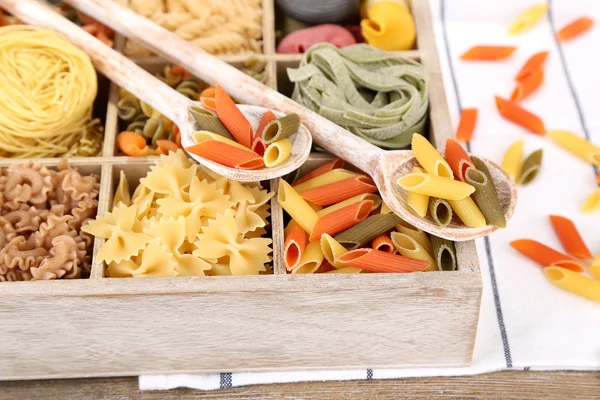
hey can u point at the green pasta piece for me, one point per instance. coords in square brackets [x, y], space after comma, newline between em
[440, 211]
[444, 253]
[530, 167]
[485, 195]
[281, 128]
[189, 88]
[208, 121]
[367, 230]
[169, 77]
[154, 129]
[128, 109]
[137, 126]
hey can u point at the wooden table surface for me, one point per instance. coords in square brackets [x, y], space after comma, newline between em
[500, 385]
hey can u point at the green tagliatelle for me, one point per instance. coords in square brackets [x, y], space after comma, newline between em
[376, 95]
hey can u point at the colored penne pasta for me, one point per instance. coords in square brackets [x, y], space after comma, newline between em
[530, 167]
[209, 103]
[444, 253]
[574, 282]
[468, 212]
[569, 237]
[440, 211]
[203, 136]
[331, 250]
[486, 196]
[544, 255]
[311, 259]
[419, 203]
[339, 191]
[533, 63]
[487, 53]
[281, 128]
[598, 178]
[458, 159]
[527, 19]
[513, 158]
[385, 209]
[417, 234]
[466, 126]
[380, 261]
[208, 121]
[435, 186]
[429, 158]
[226, 154]
[332, 176]
[576, 145]
[258, 146]
[338, 163]
[345, 270]
[518, 115]
[296, 207]
[575, 29]
[324, 268]
[528, 85]
[595, 271]
[367, 230]
[341, 219]
[267, 117]
[408, 247]
[352, 200]
[592, 202]
[383, 242]
[232, 117]
[295, 242]
[277, 153]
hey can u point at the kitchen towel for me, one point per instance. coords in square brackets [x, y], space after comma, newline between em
[525, 322]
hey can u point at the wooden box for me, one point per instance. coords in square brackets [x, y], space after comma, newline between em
[110, 327]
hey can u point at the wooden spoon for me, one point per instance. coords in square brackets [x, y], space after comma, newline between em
[385, 167]
[157, 94]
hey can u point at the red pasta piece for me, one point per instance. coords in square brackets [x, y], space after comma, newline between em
[209, 103]
[535, 61]
[259, 146]
[232, 117]
[331, 165]
[544, 255]
[488, 53]
[339, 191]
[468, 118]
[569, 237]
[575, 29]
[324, 267]
[227, 155]
[341, 219]
[384, 243]
[520, 116]
[293, 247]
[598, 178]
[528, 85]
[458, 159]
[266, 118]
[380, 261]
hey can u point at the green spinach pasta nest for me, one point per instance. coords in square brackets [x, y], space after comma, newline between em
[376, 95]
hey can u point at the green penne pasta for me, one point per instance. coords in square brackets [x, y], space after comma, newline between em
[440, 211]
[281, 128]
[208, 121]
[367, 230]
[444, 253]
[128, 109]
[485, 196]
[530, 167]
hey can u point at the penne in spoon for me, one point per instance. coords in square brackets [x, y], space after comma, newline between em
[157, 94]
[385, 167]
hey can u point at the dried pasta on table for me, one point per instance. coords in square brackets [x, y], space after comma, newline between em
[513, 157]
[544, 255]
[574, 282]
[530, 168]
[576, 145]
[569, 237]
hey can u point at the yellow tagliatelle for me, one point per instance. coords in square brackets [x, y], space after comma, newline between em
[592, 202]
[574, 282]
[513, 159]
[576, 145]
[527, 19]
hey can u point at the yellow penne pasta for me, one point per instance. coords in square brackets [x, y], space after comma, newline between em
[574, 282]
[361, 197]
[408, 247]
[595, 270]
[335, 175]
[576, 145]
[331, 250]
[435, 186]
[289, 226]
[296, 207]
[315, 207]
[592, 202]
[277, 153]
[385, 209]
[311, 259]
[345, 270]
[429, 158]
[417, 234]
[203, 136]
[468, 212]
[513, 159]
[418, 202]
[527, 19]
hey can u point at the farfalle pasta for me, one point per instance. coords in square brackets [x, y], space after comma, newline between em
[184, 220]
[41, 214]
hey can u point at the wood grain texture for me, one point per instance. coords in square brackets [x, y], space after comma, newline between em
[506, 385]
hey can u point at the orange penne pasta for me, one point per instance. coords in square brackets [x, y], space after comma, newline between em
[520, 116]
[380, 261]
[266, 118]
[383, 243]
[458, 159]
[227, 155]
[341, 219]
[570, 238]
[528, 85]
[258, 146]
[544, 255]
[232, 117]
[209, 92]
[598, 178]
[488, 53]
[331, 165]
[293, 248]
[325, 267]
[533, 63]
[465, 129]
[339, 191]
[575, 29]
[209, 103]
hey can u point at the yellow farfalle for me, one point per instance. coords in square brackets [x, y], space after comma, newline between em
[237, 192]
[169, 180]
[156, 261]
[122, 194]
[247, 214]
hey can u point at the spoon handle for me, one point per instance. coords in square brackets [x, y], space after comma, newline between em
[210, 69]
[113, 65]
